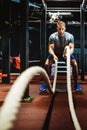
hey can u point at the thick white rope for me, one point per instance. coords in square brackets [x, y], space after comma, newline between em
[70, 99]
[83, 3]
[55, 78]
[8, 112]
[11, 104]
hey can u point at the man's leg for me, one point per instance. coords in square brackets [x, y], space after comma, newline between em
[75, 70]
[75, 74]
[47, 67]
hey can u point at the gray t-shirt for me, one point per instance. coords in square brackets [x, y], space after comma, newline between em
[60, 42]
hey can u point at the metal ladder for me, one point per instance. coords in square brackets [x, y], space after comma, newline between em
[61, 70]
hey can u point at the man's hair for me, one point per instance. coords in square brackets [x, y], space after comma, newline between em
[61, 23]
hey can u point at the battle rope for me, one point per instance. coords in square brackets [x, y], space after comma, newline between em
[15, 95]
[11, 104]
[70, 99]
[55, 78]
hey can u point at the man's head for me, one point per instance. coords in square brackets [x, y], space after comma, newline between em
[61, 27]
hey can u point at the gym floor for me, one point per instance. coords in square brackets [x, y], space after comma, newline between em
[48, 112]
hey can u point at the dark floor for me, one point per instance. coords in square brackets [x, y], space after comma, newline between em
[48, 112]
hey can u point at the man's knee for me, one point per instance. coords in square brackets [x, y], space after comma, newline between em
[74, 63]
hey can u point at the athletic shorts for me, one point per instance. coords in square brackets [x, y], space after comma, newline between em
[60, 57]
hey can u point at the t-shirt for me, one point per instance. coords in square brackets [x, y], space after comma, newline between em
[60, 42]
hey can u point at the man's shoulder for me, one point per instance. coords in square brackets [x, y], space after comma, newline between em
[68, 34]
[54, 34]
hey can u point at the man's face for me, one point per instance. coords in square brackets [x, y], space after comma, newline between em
[61, 29]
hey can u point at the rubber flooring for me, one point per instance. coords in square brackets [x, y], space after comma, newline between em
[48, 112]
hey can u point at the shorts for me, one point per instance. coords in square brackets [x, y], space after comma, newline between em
[60, 57]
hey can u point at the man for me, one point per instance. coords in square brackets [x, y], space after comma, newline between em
[57, 42]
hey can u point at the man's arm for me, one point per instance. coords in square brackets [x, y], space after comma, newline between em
[51, 51]
[71, 46]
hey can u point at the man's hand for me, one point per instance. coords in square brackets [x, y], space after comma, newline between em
[64, 57]
[55, 58]
[65, 53]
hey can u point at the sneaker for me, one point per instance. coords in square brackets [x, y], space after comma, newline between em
[43, 87]
[78, 87]
[27, 99]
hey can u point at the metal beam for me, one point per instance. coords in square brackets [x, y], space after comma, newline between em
[82, 42]
[43, 37]
[24, 39]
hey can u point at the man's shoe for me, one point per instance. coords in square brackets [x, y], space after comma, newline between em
[43, 87]
[27, 99]
[78, 87]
